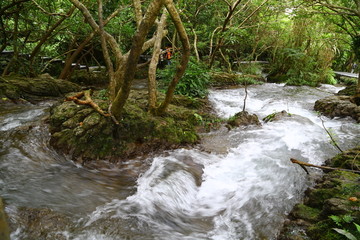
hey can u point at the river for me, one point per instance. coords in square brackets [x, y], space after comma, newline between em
[247, 186]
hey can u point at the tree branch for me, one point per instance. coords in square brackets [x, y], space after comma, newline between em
[304, 164]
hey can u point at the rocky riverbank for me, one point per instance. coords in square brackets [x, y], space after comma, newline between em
[340, 105]
[331, 209]
[333, 203]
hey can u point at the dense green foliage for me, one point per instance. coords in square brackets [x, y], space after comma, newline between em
[303, 40]
[193, 84]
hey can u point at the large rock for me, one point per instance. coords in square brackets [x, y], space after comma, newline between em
[338, 106]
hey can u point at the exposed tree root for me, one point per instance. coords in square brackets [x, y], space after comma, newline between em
[88, 101]
[303, 164]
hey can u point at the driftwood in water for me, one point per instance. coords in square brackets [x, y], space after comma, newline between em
[304, 164]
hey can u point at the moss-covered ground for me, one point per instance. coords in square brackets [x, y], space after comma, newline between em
[85, 134]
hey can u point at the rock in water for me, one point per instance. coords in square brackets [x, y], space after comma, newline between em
[243, 119]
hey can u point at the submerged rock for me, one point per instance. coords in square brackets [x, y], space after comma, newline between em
[41, 224]
[276, 116]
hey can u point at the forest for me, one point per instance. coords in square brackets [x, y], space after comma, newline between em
[164, 119]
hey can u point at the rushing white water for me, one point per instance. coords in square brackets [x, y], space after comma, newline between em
[237, 184]
[247, 189]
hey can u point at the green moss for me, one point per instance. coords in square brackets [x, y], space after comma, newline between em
[307, 213]
[138, 129]
[318, 196]
[63, 112]
[349, 159]
[323, 231]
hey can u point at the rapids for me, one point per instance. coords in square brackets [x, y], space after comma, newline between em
[245, 186]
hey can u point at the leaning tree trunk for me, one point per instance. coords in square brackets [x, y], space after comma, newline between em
[180, 69]
[154, 63]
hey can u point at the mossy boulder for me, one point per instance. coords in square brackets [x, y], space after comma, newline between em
[243, 119]
[87, 135]
[349, 159]
[34, 89]
[338, 106]
[276, 116]
[348, 91]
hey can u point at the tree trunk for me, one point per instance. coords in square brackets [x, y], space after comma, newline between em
[65, 72]
[180, 69]
[154, 62]
[138, 12]
[47, 35]
[108, 62]
[220, 41]
[133, 57]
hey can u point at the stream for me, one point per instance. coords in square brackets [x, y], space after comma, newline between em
[247, 183]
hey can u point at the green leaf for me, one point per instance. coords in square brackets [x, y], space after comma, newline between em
[348, 218]
[357, 227]
[345, 233]
[336, 219]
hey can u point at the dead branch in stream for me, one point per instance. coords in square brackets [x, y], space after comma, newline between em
[246, 94]
[304, 164]
[88, 101]
[330, 135]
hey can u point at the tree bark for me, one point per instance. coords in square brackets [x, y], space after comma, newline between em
[138, 12]
[105, 50]
[304, 164]
[65, 73]
[133, 57]
[154, 62]
[180, 69]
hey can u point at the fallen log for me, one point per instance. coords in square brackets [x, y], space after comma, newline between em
[304, 164]
[88, 101]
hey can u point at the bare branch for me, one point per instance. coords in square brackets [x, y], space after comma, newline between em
[48, 13]
[303, 164]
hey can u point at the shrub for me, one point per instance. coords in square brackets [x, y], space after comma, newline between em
[194, 83]
[299, 68]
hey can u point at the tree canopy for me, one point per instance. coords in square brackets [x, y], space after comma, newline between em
[303, 40]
